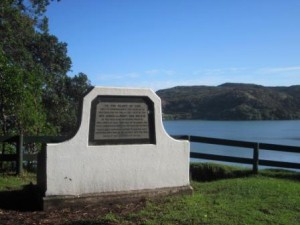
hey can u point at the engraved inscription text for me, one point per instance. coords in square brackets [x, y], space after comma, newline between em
[121, 120]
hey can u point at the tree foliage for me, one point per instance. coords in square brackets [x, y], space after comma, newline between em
[36, 95]
[20, 102]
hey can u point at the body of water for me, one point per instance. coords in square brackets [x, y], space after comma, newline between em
[274, 132]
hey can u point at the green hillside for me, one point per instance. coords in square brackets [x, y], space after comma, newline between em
[231, 101]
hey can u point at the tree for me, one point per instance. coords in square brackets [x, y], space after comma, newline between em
[36, 96]
[68, 98]
[21, 108]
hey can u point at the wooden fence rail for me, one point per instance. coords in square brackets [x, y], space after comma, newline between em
[20, 140]
[254, 146]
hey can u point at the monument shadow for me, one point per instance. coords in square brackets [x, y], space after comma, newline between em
[26, 199]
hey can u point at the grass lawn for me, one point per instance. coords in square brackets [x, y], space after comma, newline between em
[252, 200]
[11, 182]
[271, 197]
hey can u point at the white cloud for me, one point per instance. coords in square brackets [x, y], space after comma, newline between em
[220, 71]
[104, 77]
[161, 78]
[268, 76]
[132, 75]
[117, 76]
[280, 70]
[160, 72]
[154, 71]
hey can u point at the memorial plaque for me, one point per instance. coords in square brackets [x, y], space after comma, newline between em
[121, 120]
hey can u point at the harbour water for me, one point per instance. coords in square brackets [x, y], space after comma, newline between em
[274, 132]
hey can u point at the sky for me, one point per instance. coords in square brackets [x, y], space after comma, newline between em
[160, 44]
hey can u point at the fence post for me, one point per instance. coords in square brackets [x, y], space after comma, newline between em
[255, 158]
[20, 154]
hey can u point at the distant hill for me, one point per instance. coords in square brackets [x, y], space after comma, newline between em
[231, 101]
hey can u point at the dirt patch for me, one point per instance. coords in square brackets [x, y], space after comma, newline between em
[89, 215]
[21, 207]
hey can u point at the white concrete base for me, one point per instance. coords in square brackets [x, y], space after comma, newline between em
[110, 198]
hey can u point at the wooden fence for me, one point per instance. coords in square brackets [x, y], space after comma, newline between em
[252, 146]
[21, 140]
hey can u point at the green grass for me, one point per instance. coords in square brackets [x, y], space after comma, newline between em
[272, 197]
[213, 171]
[234, 196]
[10, 182]
[252, 200]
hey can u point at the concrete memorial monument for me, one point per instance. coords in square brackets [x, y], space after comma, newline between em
[120, 152]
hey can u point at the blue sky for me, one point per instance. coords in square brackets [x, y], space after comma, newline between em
[165, 43]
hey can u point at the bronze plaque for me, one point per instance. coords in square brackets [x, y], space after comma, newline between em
[121, 120]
